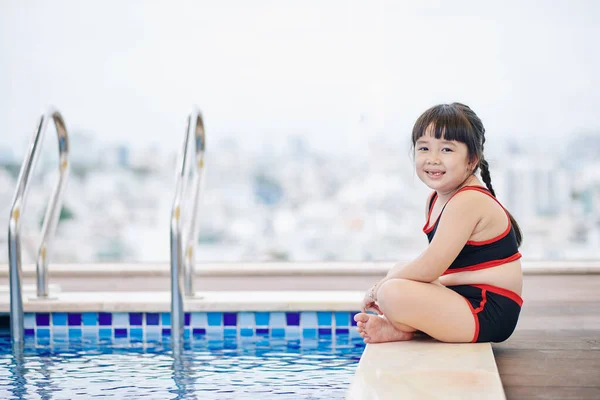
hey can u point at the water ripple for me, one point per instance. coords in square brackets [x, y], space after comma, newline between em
[206, 369]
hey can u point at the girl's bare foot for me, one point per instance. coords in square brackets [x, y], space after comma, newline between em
[377, 329]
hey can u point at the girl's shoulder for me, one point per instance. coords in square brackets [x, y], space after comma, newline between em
[479, 197]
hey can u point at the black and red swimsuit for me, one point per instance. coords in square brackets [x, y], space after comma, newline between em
[496, 310]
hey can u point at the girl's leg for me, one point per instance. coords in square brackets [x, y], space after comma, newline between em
[430, 308]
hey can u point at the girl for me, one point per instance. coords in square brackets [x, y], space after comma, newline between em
[466, 285]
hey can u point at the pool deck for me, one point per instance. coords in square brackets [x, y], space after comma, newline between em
[553, 354]
[555, 351]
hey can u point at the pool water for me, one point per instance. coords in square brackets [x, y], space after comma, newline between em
[205, 368]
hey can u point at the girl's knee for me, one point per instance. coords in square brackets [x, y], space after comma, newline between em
[395, 293]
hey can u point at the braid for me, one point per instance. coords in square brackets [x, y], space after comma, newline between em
[485, 175]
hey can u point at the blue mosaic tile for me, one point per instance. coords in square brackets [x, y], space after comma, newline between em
[104, 319]
[324, 331]
[105, 333]
[342, 319]
[292, 318]
[152, 319]
[214, 318]
[324, 318]
[136, 319]
[229, 319]
[277, 320]
[214, 334]
[120, 333]
[74, 319]
[42, 319]
[199, 319]
[29, 321]
[136, 333]
[262, 318]
[153, 333]
[230, 332]
[59, 319]
[89, 332]
[308, 324]
[353, 322]
[309, 319]
[42, 333]
[309, 332]
[246, 332]
[120, 320]
[29, 332]
[89, 318]
[262, 331]
[60, 331]
[246, 319]
[199, 331]
[278, 332]
[74, 333]
[292, 332]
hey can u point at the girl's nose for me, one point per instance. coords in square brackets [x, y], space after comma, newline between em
[433, 160]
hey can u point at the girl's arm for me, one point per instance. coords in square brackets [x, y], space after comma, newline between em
[460, 217]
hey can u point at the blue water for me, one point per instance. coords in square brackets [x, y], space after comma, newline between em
[225, 368]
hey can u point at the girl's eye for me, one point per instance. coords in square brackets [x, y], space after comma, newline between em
[446, 149]
[422, 148]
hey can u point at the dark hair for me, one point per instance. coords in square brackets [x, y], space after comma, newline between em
[458, 122]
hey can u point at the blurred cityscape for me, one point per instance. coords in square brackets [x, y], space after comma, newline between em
[289, 202]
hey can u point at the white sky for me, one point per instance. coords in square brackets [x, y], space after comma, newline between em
[130, 71]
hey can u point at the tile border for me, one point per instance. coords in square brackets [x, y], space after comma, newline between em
[145, 325]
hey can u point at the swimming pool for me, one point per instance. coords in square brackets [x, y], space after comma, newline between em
[214, 363]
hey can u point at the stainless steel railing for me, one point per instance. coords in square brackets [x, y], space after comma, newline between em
[182, 265]
[49, 224]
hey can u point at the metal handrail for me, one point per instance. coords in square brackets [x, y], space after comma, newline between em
[182, 271]
[49, 224]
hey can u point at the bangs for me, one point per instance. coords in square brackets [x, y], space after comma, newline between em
[448, 123]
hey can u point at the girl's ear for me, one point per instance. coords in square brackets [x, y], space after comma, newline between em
[473, 164]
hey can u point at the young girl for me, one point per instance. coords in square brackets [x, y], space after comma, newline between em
[466, 285]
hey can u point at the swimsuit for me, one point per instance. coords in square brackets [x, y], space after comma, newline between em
[495, 310]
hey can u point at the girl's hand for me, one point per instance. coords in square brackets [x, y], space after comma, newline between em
[369, 302]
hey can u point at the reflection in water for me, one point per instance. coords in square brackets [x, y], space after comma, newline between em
[17, 370]
[182, 372]
[204, 367]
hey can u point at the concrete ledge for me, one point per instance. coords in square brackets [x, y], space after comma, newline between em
[377, 268]
[426, 369]
[211, 301]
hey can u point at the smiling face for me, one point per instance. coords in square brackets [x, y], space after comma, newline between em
[441, 164]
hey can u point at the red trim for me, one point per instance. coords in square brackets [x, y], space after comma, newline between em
[483, 300]
[492, 240]
[478, 188]
[503, 234]
[476, 334]
[503, 292]
[435, 197]
[484, 265]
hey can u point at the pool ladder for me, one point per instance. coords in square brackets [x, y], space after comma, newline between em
[184, 219]
[190, 168]
[48, 226]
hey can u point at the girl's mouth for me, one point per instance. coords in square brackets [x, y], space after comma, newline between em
[434, 174]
